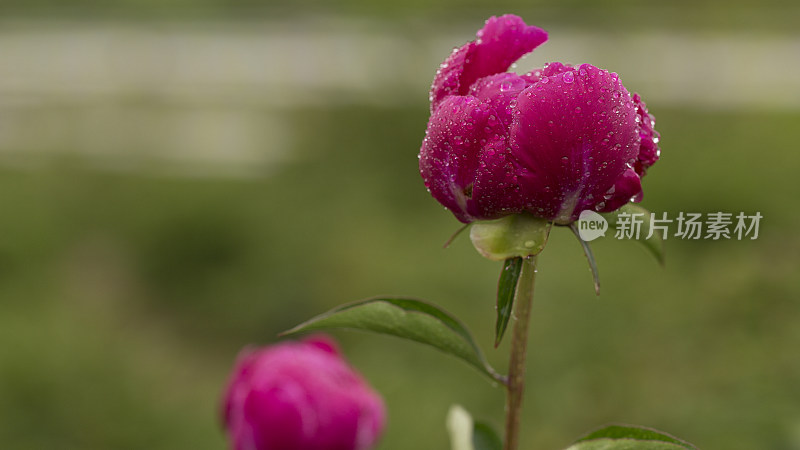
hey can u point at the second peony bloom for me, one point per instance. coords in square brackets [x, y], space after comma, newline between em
[552, 142]
[300, 396]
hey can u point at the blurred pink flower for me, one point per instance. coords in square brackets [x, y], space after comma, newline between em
[300, 396]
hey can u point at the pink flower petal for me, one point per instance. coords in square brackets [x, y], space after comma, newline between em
[648, 151]
[575, 131]
[500, 42]
[466, 163]
[500, 91]
[627, 187]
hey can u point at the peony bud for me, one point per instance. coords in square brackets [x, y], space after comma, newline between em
[553, 142]
[300, 396]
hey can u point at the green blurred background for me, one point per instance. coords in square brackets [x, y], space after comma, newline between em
[180, 179]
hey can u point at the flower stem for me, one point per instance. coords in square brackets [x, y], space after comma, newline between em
[523, 300]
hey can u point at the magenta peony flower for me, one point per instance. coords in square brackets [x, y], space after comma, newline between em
[552, 142]
[300, 396]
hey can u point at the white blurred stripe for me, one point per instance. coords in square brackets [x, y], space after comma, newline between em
[278, 65]
[213, 93]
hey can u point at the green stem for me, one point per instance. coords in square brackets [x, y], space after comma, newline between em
[523, 300]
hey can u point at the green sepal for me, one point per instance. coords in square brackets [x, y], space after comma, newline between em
[655, 243]
[517, 235]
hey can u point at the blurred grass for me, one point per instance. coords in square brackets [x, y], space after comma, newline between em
[124, 298]
[613, 15]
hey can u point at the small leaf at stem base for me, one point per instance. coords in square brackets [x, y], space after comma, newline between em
[466, 434]
[459, 427]
[485, 438]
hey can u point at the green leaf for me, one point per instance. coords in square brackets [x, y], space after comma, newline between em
[624, 444]
[630, 437]
[506, 287]
[655, 244]
[409, 319]
[485, 438]
[466, 434]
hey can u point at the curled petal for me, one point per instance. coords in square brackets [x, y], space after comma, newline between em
[448, 77]
[575, 131]
[627, 187]
[648, 151]
[466, 163]
[500, 42]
